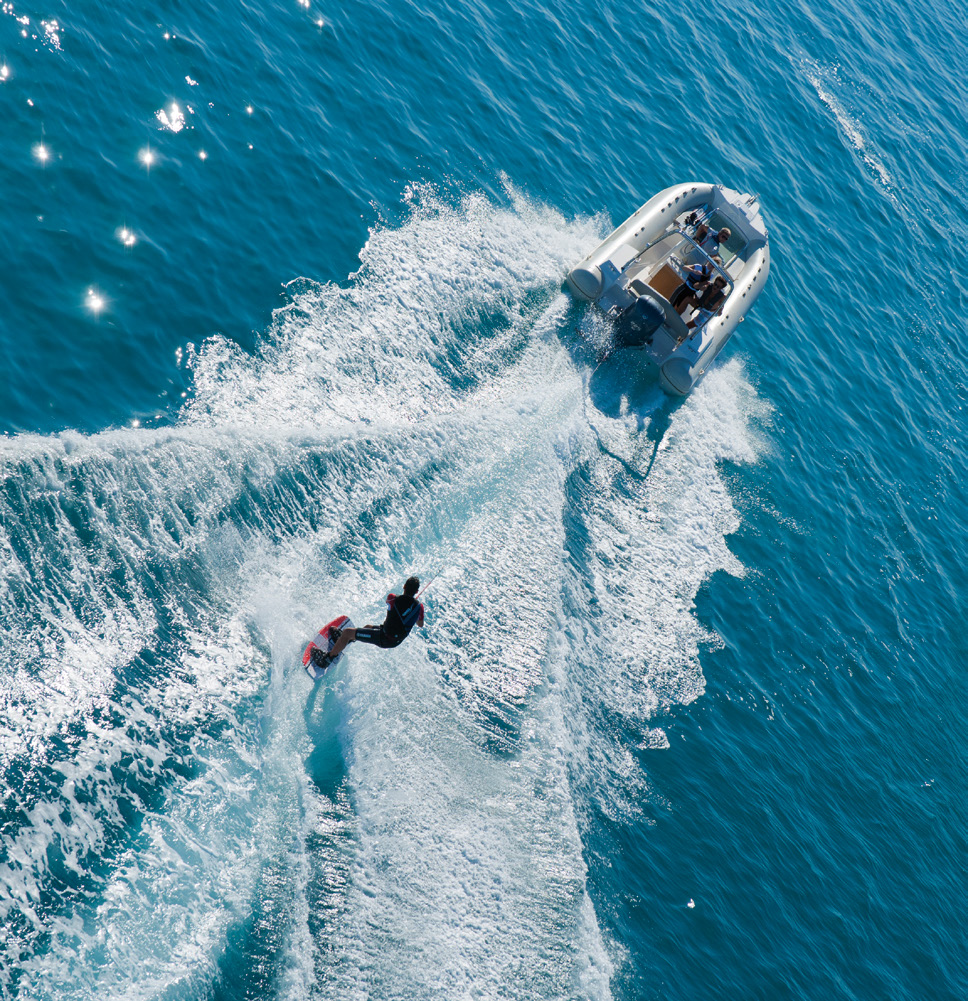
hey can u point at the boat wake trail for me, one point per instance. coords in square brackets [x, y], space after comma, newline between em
[184, 813]
[828, 85]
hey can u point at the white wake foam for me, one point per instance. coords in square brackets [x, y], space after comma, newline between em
[431, 416]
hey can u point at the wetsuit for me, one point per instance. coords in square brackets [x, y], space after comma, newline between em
[403, 613]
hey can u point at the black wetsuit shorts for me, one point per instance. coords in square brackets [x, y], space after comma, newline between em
[378, 636]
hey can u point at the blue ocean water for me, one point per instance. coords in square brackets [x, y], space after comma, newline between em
[284, 322]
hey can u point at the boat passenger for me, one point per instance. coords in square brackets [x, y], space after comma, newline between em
[709, 300]
[710, 241]
[697, 276]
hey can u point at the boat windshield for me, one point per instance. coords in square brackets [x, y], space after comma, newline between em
[688, 251]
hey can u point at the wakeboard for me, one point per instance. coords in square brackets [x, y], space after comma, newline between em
[323, 642]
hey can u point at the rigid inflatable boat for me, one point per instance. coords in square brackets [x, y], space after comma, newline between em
[668, 252]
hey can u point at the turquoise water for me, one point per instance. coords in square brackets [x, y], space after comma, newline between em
[687, 718]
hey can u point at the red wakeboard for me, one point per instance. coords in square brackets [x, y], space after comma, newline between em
[324, 641]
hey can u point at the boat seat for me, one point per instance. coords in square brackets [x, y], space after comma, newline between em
[665, 281]
[676, 324]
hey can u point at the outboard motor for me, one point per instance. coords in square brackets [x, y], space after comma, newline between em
[635, 326]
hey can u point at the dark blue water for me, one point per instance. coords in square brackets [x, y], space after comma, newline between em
[284, 322]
